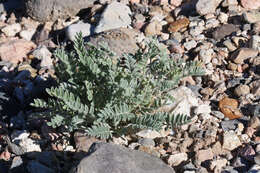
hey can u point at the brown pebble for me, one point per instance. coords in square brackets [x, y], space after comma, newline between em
[178, 25]
[229, 107]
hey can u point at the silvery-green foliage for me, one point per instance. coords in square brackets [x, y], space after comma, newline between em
[104, 95]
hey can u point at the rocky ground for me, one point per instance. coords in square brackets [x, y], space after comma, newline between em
[224, 104]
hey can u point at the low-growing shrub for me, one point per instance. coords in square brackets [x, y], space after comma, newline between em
[106, 96]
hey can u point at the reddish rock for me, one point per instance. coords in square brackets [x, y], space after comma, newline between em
[250, 4]
[229, 107]
[15, 51]
[178, 25]
[203, 155]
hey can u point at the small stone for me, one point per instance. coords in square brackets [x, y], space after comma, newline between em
[176, 3]
[202, 109]
[177, 159]
[203, 155]
[148, 134]
[217, 148]
[153, 28]
[206, 55]
[247, 152]
[83, 142]
[190, 44]
[255, 42]
[212, 23]
[252, 16]
[27, 34]
[204, 7]
[230, 141]
[242, 90]
[229, 107]
[16, 162]
[217, 165]
[178, 25]
[231, 47]
[224, 30]
[242, 54]
[254, 122]
[257, 159]
[223, 17]
[11, 30]
[73, 29]
[43, 54]
[218, 114]
[250, 4]
[232, 66]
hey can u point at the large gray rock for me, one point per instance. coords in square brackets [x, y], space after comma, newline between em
[105, 157]
[44, 10]
[119, 41]
[113, 19]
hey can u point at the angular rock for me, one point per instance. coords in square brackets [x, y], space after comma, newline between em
[204, 7]
[176, 159]
[104, 157]
[242, 54]
[250, 4]
[15, 50]
[45, 10]
[27, 34]
[203, 155]
[119, 40]
[224, 31]
[153, 28]
[113, 19]
[73, 29]
[230, 141]
[242, 90]
[43, 54]
[11, 30]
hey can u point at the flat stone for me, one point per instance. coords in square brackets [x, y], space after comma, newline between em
[230, 141]
[242, 54]
[46, 10]
[113, 19]
[190, 44]
[153, 28]
[119, 41]
[224, 30]
[105, 157]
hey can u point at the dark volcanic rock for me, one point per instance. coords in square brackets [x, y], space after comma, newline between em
[104, 157]
[44, 10]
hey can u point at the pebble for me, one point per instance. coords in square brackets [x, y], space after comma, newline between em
[230, 140]
[11, 30]
[242, 90]
[190, 44]
[242, 54]
[229, 107]
[224, 30]
[177, 159]
[247, 152]
[178, 25]
[257, 159]
[153, 28]
[223, 17]
[217, 165]
[203, 155]
[146, 142]
[43, 54]
[254, 122]
[206, 55]
[85, 28]
[231, 47]
[218, 114]
[27, 34]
